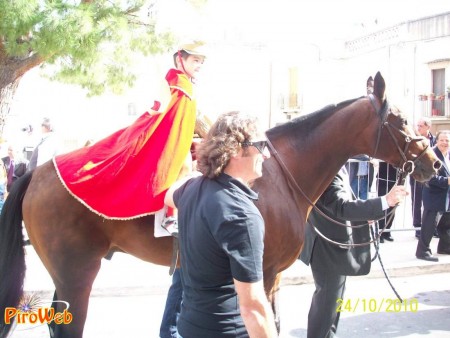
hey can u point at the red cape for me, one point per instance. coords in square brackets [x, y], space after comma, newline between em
[126, 174]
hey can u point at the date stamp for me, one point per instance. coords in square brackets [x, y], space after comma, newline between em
[370, 305]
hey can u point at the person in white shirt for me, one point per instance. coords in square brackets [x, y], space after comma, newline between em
[47, 148]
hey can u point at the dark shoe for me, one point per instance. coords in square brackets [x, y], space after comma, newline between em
[170, 224]
[387, 237]
[443, 252]
[428, 257]
[417, 233]
[381, 240]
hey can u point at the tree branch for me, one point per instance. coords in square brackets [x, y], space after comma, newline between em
[29, 63]
[16, 67]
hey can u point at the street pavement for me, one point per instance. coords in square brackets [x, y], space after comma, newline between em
[129, 295]
[372, 312]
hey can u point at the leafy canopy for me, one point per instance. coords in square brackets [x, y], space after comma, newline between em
[90, 43]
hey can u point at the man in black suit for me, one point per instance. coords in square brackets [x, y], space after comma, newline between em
[331, 263]
[435, 197]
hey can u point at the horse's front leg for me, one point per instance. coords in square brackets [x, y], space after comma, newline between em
[274, 298]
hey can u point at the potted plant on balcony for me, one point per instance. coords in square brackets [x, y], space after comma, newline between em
[423, 97]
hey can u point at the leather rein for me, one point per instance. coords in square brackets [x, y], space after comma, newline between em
[407, 167]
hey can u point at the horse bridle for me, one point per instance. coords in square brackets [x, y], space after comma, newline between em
[406, 168]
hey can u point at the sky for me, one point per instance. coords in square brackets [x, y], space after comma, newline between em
[294, 20]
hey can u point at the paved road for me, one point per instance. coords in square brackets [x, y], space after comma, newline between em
[129, 295]
[429, 293]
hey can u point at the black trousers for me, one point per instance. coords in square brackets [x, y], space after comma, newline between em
[323, 318]
[430, 220]
[416, 202]
[443, 230]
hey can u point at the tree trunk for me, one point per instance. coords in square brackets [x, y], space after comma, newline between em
[12, 68]
[6, 97]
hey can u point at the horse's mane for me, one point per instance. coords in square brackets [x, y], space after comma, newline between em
[306, 122]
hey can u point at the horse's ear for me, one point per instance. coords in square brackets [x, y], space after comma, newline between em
[379, 86]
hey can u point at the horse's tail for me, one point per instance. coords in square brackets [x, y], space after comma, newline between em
[12, 253]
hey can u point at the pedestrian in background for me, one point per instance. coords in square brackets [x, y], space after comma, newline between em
[361, 173]
[15, 165]
[423, 128]
[435, 198]
[3, 183]
[48, 146]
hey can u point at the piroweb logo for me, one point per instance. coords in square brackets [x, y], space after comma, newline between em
[31, 310]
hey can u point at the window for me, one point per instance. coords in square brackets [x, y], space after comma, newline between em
[293, 87]
[438, 101]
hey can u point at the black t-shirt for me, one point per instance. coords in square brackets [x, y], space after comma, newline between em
[221, 235]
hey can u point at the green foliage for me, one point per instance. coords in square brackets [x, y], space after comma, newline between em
[87, 43]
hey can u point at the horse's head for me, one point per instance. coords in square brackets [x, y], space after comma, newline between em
[413, 153]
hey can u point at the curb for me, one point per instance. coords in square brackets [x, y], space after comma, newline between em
[395, 272]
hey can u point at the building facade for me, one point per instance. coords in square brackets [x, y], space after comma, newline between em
[412, 56]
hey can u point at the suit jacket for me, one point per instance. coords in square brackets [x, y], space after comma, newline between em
[435, 191]
[336, 202]
[432, 139]
[419, 185]
[20, 168]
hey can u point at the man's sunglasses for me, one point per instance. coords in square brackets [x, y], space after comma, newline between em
[260, 145]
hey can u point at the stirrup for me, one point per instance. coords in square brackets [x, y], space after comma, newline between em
[170, 224]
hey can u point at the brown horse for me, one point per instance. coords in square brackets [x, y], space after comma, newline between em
[306, 153]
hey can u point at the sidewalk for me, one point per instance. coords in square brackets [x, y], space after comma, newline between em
[125, 271]
[398, 258]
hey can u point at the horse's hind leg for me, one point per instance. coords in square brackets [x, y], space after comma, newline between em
[52, 325]
[75, 289]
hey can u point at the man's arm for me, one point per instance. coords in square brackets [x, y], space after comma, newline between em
[168, 198]
[255, 309]
[439, 182]
[335, 200]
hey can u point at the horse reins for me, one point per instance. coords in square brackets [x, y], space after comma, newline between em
[406, 168]
[311, 203]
